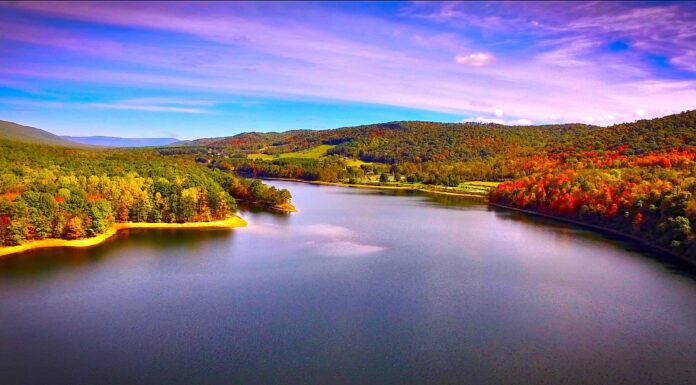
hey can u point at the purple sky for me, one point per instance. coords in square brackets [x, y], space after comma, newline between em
[211, 69]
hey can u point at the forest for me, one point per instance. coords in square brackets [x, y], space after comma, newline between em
[637, 178]
[70, 193]
[650, 195]
[444, 154]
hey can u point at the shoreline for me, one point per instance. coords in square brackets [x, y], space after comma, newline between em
[286, 207]
[379, 187]
[229, 223]
[601, 229]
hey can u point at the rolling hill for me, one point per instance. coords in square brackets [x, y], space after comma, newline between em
[419, 141]
[20, 133]
[26, 134]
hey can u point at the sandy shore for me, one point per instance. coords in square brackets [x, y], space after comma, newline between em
[231, 222]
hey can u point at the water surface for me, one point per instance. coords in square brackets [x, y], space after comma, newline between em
[358, 287]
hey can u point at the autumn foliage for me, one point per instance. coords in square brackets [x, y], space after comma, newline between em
[649, 195]
[51, 192]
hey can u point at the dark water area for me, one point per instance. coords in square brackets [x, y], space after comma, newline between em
[358, 287]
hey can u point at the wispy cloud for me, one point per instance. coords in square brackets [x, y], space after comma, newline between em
[474, 59]
[146, 104]
[160, 104]
[551, 60]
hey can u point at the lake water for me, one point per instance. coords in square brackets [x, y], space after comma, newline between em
[358, 287]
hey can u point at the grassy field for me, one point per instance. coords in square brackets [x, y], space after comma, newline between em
[477, 186]
[470, 187]
[312, 153]
[260, 156]
[355, 162]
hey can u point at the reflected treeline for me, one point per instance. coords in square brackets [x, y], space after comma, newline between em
[671, 263]
[435, 199]
[44, 261]
[454, 200]
[245, 207]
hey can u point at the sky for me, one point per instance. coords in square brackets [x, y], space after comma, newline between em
[190, 70]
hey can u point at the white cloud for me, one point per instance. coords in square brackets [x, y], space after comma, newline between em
[324, 239]
[482, 119]
[336, 241]
[517, 122]
[499, 112]
[347, 248]
[478, 59]
[603, 119]
[329, 230]
[640, 112]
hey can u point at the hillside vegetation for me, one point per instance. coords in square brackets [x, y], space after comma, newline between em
[18, 132]
[69, 193]
[637, 178]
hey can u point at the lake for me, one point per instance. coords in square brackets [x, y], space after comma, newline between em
[358, 287]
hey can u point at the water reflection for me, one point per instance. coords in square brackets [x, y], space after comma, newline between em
[44, 261]
[358, 287]
[573, 233]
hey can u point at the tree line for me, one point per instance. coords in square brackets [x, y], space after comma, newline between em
[56, 192]
[635, 177]
[652, 196]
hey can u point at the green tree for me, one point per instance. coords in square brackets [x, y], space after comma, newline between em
[100, 217]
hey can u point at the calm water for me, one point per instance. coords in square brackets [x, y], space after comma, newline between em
[359, 287]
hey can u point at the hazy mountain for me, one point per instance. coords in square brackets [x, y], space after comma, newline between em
[110, 141]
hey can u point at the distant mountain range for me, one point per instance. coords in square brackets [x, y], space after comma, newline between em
[110, 141]
[18, 132]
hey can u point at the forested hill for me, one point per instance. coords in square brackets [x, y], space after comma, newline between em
[20, 133]
[26, 134]
[431, 153]
[414, 141]
[70, 193]
[636, 178]
[643, 135]
[404, 135]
